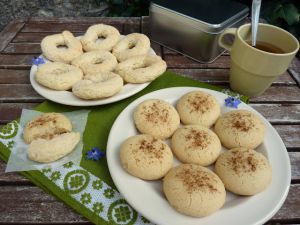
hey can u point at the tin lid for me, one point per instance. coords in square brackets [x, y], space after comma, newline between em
[212, 16]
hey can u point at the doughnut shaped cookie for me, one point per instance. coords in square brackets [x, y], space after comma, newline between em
[46, 126]
[157, 118]
[98, 86]
[146, 157]
[141, 69]
[131, 45]
[244, 171]
[196, 144]
[100, 37]
[46, 151]
[194, 190]
[51, 47]
[58, 76]
[198, 107]
[240, 128]
[96, 62]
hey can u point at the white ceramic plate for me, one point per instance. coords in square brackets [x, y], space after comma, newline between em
[147, 196]
[67, 97]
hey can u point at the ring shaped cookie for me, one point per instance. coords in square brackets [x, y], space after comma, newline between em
[96, 62]
[98, 86]
[141, 69]
[58, 76]
[51, 47]
[131, 45]
[100, 37]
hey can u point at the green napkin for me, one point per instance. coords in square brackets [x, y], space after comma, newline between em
[88, 188]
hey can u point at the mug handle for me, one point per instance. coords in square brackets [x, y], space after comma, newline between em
[221, 41]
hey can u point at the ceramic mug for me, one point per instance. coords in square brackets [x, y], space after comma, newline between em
[253, 70]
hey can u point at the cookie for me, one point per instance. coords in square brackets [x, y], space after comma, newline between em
[58, 76]
[198, 107]
[46, 151]
[157, 118]
[146, 157]
[194, 190]
[46, 126]
[196, 144]
[244, 171]
[240, 128]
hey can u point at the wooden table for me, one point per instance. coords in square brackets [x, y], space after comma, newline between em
[23, 203]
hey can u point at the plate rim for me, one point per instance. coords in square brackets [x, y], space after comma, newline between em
[267, 216]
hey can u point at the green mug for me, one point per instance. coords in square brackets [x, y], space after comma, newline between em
[253, 70]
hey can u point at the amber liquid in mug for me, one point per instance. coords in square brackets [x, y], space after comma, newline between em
[266, 47]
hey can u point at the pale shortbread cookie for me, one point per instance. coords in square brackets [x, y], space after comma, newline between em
[141, 69]
[97, 86]
[244, 171]
[46, 126]
[100, 37]
[96, 62]
[146, 157]
[58, 76]
[62, 47]
[240, 128]
[157, 118]
[194, 190]
[198, 107]
[196, 144]
[46, 151]
[131, 45]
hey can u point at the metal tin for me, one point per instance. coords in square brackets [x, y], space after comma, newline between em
[192, 27]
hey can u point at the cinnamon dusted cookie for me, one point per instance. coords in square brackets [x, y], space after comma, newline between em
[198, 107]
[146, 157]
[157, 118]
[240, 128]
[194, 190]
[196, 144]
[244, 171]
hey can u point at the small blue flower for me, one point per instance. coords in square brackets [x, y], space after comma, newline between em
[37, 61]
[95, 154]
[232, 102]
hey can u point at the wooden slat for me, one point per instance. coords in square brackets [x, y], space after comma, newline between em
[35, 37]
[11, 111]
[23, 48]
[79, 20]
[28, 204]
[18, 93]
[168, 51]
[290, 134]
[15, 61]
[294, 69]
[14, 76]
[10, 31]
[221, 76]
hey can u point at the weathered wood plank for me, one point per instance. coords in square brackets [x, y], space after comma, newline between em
[290, 134]
[23, 48]
[168, 51]
[11, 111]
[14, 76]
[294, 70]
[10, 31]
[18, 93]
[35, 37]
[78, 20]
[15, 61]
[221, 76]
[27, 204]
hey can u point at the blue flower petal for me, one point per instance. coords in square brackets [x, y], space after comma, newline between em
[232, 102]
[95, 154]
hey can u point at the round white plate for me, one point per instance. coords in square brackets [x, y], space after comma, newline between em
[67, 97]
[147, 196]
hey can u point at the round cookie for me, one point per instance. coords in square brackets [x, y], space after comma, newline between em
[198, 107]
[58, 76]
[141, 69]
[244, 171]
[157, 118]
[194, 190]
[52, 47]
[96, 62]
[46, 151]
[196, 144]
[131, 45]
[97, 86]
[100, 37]
[240, 128]
[46, 126]
[146, 157]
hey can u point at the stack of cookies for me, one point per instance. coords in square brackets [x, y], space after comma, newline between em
[197, 132]
[98, 64]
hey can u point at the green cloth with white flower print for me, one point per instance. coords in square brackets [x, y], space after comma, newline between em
[88, 188]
